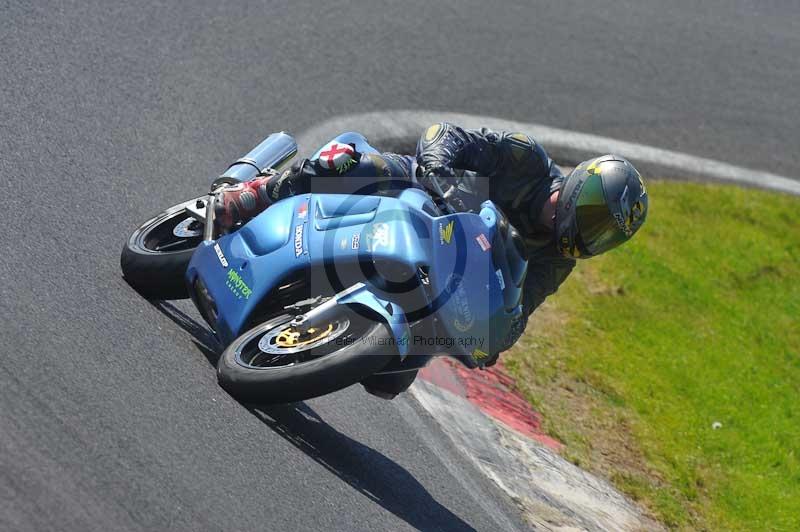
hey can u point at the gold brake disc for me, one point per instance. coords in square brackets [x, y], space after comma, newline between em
[291, 338]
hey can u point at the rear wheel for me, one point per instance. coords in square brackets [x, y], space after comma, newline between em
[156, 255]
[274, 363]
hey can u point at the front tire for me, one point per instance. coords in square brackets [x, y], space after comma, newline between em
[156, 255]
[253, 376]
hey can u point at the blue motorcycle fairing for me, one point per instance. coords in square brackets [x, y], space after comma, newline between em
[256, 259]
[334, 211]
[462, 284]
[333, 236]
[368, 228]
[395, 319]
[299, 233]
[265, 235]
[470, 285]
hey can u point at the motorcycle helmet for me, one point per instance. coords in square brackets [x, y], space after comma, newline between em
[602, 203]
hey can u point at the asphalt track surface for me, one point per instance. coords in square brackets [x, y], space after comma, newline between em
[110, 416]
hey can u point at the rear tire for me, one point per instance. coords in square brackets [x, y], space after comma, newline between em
[350, 361]
[157, 273]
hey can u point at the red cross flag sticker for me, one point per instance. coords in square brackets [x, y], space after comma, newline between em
[335, 155]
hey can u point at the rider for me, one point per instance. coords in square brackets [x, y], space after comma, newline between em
[596, 207]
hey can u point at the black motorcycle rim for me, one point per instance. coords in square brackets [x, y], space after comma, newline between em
[314, 345]
[170, 233]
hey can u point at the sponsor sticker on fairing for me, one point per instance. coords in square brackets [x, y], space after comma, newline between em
[298, 240]
[479, 355]
[237, 285]
[446, 233]
[483, 242]
[465, 319]
[500, 279]
[221, 256]
[378, 236]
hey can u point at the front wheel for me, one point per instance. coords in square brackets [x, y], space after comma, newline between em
[156, 255]
[273, 363]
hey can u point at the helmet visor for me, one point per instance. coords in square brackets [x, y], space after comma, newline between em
[597, 229]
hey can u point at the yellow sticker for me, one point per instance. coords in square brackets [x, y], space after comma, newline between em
[432, 131]
[445, 233]
[479, 355]
[593, 168]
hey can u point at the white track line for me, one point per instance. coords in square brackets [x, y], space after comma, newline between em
[404, 127]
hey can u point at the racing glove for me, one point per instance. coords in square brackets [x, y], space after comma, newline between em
[241, 201]
[295, 180]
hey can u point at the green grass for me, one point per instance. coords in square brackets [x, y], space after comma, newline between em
[695, 321]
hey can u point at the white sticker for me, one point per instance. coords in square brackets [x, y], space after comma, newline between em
[298, 240]
[221, 256]
[500, 280]
[483, 242]
[378, 236]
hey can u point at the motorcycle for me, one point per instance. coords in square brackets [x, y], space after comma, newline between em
[322, 290]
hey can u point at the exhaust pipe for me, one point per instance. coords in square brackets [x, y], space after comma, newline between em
[273, 152]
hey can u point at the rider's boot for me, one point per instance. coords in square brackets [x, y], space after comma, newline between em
[390, 385]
